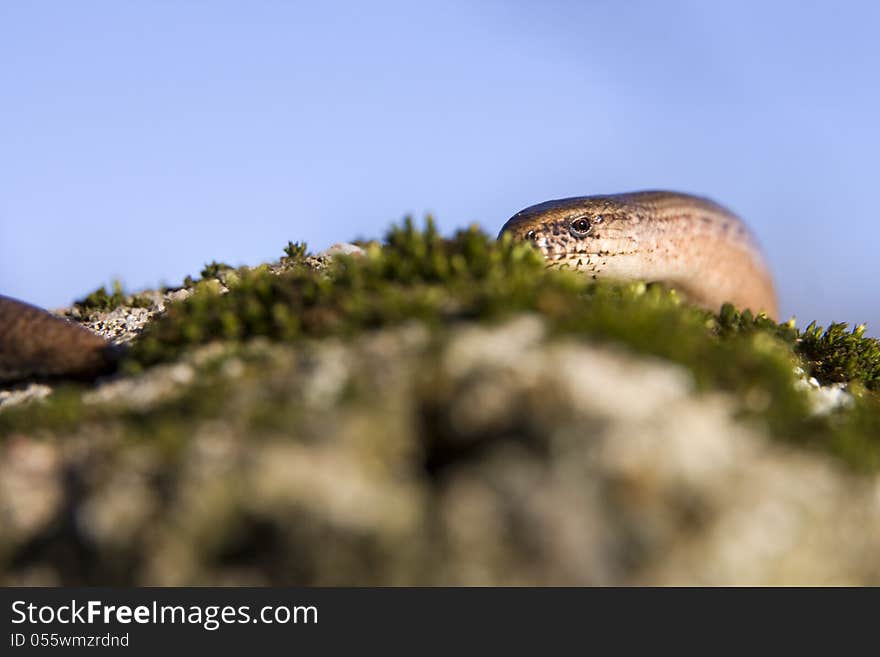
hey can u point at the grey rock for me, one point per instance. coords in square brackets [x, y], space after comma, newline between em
[474, 455]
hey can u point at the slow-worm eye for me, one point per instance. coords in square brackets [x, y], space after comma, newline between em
[580, 227]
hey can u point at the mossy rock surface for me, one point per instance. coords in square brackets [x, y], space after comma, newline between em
[444, 411]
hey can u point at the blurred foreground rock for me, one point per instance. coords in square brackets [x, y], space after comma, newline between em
[477, 456]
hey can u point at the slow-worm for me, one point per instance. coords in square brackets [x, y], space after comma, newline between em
[37, 344]
[690, 243]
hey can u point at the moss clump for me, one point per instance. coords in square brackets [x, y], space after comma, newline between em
[835, 354]
[418, 275]
[296, 250]
[212, 271]
[832, 355]
[101, 299]
[215, 269]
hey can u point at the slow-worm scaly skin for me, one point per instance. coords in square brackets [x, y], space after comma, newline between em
[37, 344]
[687, 242]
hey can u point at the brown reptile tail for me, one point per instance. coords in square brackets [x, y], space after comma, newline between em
[37, 344]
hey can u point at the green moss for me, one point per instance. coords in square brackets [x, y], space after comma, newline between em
[215, 269]
[296, 250]
[832, 355]
[170, 422]
[103, 300]
[835, 354]
[418, 275]
[60, 412]
[100, 299]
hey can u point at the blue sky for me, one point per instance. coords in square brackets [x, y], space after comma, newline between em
[140, 140]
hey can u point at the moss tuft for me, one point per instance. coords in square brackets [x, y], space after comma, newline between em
[296, 250]
[214, 269]
[103, 300]
[837, 355]
[100, 299]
